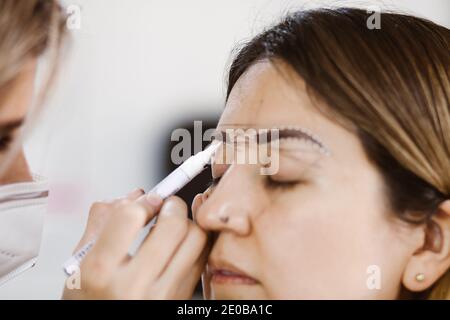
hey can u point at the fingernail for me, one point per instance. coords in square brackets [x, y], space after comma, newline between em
[154, 199]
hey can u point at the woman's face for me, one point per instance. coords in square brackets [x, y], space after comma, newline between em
[319, 227]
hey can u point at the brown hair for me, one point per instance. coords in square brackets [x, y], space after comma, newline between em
[391, 85]
[28, 28]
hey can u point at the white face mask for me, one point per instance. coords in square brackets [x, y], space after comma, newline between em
[22, 209]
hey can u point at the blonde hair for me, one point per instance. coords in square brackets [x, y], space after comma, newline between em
[28, 29]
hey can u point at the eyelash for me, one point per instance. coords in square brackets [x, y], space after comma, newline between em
[270, 183]
[273, 184]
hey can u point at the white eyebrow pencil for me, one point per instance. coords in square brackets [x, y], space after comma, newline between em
[170, 185]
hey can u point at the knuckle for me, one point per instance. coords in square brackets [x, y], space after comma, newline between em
[98, 207]
[132, 212]
[120, 203]
[94, 273]
[94, 265]
[176, 203]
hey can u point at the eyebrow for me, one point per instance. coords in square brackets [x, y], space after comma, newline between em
[283, 133]
[8, 126]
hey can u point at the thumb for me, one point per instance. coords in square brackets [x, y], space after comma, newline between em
[98, 217]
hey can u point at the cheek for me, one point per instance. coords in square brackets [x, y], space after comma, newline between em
[322, 247]
[17, 100]
[18, 171]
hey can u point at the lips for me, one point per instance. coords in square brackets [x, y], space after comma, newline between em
[222, 273]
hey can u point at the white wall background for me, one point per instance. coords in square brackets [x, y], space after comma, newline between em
[133, 69]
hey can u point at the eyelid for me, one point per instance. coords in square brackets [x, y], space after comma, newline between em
[275, 184]
[269, 182]
[305, 143]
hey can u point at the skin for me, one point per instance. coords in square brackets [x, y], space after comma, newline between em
[167, 265]
[317, 238]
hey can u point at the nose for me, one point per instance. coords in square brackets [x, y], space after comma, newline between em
[18, 170]
[234, 203]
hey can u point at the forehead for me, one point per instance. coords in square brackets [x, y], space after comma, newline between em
[273, 95]
[269, 95]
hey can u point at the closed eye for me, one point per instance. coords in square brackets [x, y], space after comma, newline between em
[275, 184]
[269, 182]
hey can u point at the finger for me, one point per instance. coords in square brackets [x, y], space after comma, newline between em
[186, 287]
[132, 195]
[98, 215]
[135, 194]
[206, 284]
[149, 200]
[185, 257]
[196, 203]
[127, 219]
[164, 239]
[206, 275]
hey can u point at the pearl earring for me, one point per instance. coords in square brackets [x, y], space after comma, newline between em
[420, 277]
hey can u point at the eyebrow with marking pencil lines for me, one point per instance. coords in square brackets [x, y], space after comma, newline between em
[280, 133]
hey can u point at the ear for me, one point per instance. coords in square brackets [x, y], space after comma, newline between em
[432, 260]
